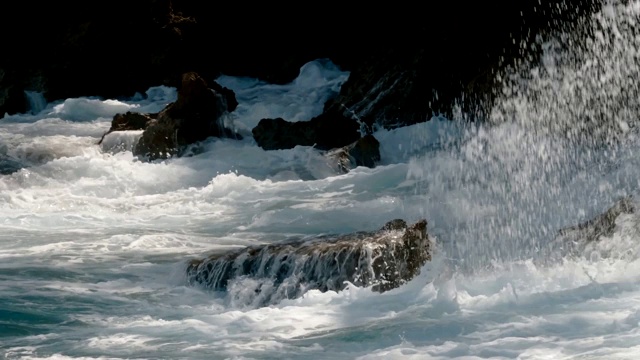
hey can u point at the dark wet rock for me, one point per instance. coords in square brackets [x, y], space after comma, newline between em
[363, 152]
[324, 132]
[383, 259]
[196, 115]
[405, 82]
[395, 224]
[129, 121]
[391, 90]
[8, 164]
[575, 239]
[227, 95]
[159, 141]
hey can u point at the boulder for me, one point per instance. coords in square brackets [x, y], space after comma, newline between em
[8, 164]
[196, 115]
[325, 132]
[383, 259]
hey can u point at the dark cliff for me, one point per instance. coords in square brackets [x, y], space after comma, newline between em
[114, 49]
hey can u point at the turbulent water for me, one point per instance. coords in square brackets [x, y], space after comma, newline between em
[94, 244]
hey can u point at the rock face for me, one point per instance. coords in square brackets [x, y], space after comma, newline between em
[384, 259]
[601, 225]
[9, 165]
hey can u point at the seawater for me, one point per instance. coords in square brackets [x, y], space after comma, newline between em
[94, 243]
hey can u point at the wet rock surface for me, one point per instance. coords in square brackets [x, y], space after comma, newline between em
[363, 152]
[575, 240]
[196, 115]
[383, 259]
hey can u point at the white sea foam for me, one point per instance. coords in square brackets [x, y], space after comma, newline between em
[298, 101]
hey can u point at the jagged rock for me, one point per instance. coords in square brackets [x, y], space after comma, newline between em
[227, 94]
[363, 152]
[573, 240]
[194, 116]
[384, 259]
[325, 132]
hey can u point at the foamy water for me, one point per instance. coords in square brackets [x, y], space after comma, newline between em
[94, 243]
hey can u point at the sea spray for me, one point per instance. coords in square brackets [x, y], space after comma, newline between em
[557, 123]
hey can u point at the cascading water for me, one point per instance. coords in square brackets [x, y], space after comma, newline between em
[382, 260]
[95, 244]
[37, 101]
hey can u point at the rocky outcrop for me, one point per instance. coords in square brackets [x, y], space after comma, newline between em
[601, 225]
[194, 116]
[324, 132]
[384, 259]
[363, 152]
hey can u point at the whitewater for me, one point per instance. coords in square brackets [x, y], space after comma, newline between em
[95, 243]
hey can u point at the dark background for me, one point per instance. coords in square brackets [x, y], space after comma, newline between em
[116, 48]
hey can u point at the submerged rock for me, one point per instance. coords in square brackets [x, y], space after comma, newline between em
[575, 239]
[363, 152]
[325, 132]
[384, 259]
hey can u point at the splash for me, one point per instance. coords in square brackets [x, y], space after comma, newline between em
[583, 88]
[555, 148]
